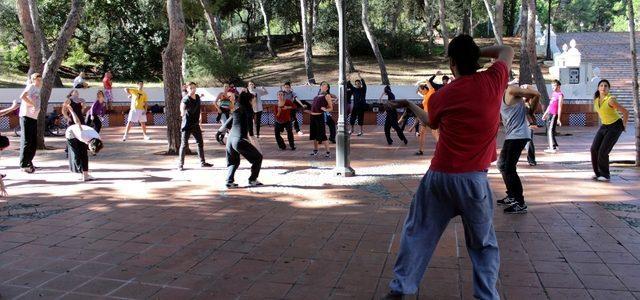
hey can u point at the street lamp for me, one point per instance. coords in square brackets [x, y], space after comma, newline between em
[343, 164]
[548, 56]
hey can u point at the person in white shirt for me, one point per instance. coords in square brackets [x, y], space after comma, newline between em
[81, 139]
[29, 111]
[79, 82]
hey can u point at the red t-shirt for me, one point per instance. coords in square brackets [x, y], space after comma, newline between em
[466, 113]
[106, 82]
[285, 114]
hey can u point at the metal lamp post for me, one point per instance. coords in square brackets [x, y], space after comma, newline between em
[343, 164]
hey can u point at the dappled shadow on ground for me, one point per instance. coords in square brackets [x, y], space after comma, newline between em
[144, 230]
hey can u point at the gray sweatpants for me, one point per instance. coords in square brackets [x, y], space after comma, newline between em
[440, 197]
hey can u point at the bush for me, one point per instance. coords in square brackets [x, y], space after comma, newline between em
[204, 60]
[14, 58]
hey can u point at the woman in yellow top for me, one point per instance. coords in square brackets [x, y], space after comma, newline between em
[426, 90]
[612, 127]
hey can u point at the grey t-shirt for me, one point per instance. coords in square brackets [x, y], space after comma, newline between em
[514, 119]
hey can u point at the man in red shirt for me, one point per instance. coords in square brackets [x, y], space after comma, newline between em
[466, 112]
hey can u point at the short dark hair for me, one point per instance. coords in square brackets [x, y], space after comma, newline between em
[95, 145]
[4, 142]
[358, 80]
[556, 81]
[465, 53]
[445, 77]
[192, 83]
[288, 83]
[140, 81]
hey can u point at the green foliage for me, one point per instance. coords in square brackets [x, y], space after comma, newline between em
[14, 58]
[205, 61]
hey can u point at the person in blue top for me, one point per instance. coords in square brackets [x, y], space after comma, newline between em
[359, 92]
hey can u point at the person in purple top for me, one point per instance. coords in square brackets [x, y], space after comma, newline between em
[97, 112]
[552, 115]
[322, 103]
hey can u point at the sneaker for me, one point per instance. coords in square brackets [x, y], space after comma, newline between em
[328, 154]
[88, 178]
[360, 133]
[419, 153]
[516, 208]
[506, 201]
[533, 163]
[393, 295]
[293, 148]
[406, 141]
[147, 137]
[300, 132]
[180, 168]
[602, 179]
[314, 153]
[594, 177]
[231, 185]
[29, 170]
[255, 183]
[206, 165]
[550, 150]
[124, 138]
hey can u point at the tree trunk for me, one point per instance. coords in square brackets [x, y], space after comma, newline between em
[265, 18]
[55, 60]
[511, 16]
[347, 55]
[634, 66]
[315, 6]
[44, 45]
[215, 25]
[525, 66]
[306, 40]
[492, 19]
[310, 28]
[466, 17]
[531, 51]
[428, 10]
[374, 44]
[499, 18]
[443, 25]
[171, 65]
[30, 38]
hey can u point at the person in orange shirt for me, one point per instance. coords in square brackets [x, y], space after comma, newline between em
[426, 90]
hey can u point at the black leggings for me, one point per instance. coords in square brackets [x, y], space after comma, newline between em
[78, 156]
[28, 141]
[357, 114]
[391, 121]
[552, 123]
[279, 128]
[603, 143]
[236, 147]
[184, 142]
[96, 123]
[531, 150]
[258, 120]
[509, 156]
[332, 127]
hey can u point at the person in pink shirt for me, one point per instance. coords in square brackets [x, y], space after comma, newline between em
[552, 115]
[106, 83]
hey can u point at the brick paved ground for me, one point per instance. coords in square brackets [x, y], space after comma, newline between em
[145, 231]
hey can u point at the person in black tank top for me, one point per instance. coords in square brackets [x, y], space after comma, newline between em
[238, 142]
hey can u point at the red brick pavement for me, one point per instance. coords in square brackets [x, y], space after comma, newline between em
[144, 230]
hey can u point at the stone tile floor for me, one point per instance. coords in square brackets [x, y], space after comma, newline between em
[144, 230]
